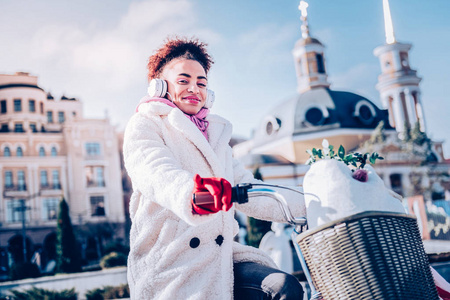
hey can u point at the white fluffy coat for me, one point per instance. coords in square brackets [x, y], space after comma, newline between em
[163, 150]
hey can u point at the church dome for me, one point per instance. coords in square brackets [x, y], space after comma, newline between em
[319, 109]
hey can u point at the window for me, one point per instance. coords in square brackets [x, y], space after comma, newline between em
[21, 181]
[320, 64]
[95, 177]
[7, 152]
[49, 209]
[42, 107]
[19, 152]
[18, 127]
[55, 180]
[32, 105]
[50, 116]
[97, 205]
[93, 149]
[8, 179]
[33, 127]
[17, 105]
[61, 117]
[396, 183]
[99, 176]
[14, 211]
[4, 127]
[44, 179]
[53, 152]
[314, 116]
[3, 106]
[41, 151]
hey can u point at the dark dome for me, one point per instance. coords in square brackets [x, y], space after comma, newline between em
[320, 109]
[307, 41]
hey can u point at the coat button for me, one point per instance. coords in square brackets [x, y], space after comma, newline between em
[219, 240]
[194, 243]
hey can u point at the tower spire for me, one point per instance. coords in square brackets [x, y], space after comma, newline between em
[309, 57]
[398, 83]
[304, 18]
[388, 27]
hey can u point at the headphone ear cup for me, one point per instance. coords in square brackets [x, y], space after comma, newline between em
[157, 88]
[210, 98]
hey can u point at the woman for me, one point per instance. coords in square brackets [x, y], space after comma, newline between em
[172, 147]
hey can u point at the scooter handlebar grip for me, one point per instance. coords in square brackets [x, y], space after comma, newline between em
[201, 198]
[238, 194]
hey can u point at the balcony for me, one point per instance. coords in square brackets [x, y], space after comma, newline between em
[55, 186]
[92, 183]
[15, 188]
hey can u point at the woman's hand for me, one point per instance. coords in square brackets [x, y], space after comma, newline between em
[219, 188]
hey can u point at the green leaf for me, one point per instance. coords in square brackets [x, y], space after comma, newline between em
[314, 151]
[341, 152]
[319, 153]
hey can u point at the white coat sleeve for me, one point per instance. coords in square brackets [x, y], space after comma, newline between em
[155, 172]
[266, 208]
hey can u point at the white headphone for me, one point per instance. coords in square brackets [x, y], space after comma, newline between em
[158, 88]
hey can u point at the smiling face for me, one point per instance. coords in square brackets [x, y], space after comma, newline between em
[186, 84]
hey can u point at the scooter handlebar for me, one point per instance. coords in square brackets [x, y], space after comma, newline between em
[238, 194]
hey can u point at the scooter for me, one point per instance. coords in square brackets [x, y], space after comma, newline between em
[370, 255]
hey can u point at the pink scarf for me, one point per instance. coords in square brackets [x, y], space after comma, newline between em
[198, 119]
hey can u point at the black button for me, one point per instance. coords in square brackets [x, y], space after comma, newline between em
[219, 240]
[194, 242]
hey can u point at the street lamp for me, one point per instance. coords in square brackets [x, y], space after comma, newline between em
[22, 209]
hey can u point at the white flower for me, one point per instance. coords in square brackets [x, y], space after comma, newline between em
[326, 148]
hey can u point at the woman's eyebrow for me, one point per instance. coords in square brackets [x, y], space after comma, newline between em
[189, 76]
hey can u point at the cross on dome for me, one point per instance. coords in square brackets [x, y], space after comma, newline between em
[302, 7]
[305, 29]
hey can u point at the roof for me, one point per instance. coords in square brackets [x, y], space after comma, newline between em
[307, 41]
[320, 109]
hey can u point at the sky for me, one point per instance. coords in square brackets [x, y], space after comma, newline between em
[97, 51]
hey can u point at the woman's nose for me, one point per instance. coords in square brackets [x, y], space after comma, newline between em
[194, 89]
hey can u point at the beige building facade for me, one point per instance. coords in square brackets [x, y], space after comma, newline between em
[49, 151]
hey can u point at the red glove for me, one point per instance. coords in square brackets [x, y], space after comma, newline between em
[219, 188]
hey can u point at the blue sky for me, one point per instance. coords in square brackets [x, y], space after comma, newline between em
[97, 50]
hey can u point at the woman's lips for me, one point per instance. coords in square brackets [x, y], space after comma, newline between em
[192, 100]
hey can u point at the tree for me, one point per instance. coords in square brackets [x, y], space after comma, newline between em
[406, 134]
[417, 136]
[256, 229]
[68, 254]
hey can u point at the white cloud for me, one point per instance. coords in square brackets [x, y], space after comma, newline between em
[105, 66]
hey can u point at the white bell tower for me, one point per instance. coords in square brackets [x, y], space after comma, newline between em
[309, 58]
[398, 84]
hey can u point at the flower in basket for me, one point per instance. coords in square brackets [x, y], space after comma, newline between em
[356, 160]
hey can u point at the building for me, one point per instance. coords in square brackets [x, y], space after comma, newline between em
[414, 164]
[48, 150]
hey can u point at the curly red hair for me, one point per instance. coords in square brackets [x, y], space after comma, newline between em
[178, 48]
